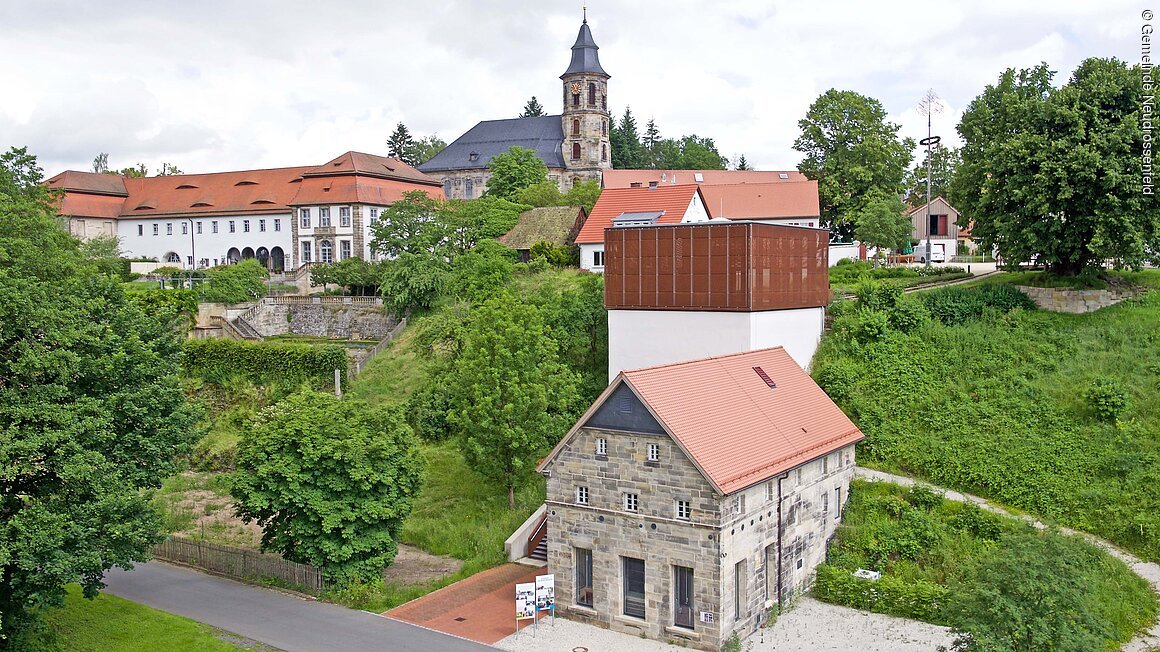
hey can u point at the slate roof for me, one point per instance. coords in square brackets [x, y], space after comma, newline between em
[585, 57]
[544, 135]
[672, 201]
[733, 426]
[555, 224]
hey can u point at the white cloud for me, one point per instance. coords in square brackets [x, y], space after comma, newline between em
[229, 85]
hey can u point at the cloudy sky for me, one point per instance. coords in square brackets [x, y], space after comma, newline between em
[214, 85]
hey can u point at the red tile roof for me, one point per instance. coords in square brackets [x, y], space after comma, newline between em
[733, 426]
[757, 201]
[673, 200]
[353, 177]
[625, 178]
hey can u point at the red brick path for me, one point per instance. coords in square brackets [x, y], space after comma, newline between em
[486, 602]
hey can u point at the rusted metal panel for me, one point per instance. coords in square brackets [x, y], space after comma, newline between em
[735, 266]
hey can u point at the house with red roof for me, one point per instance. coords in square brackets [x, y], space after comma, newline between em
[694, 496]
[283, 217]
[645, 178]
[637, 207]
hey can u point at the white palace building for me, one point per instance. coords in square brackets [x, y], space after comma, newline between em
[283, 217]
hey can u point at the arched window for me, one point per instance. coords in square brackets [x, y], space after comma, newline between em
[604, 126]
[575, 99]
[172, 257]
[603, 152]
[326, 251]
[591, 94]
[604, 102]
[575, 127]
[575, 151]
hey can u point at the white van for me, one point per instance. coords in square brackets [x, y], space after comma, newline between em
[938, 252]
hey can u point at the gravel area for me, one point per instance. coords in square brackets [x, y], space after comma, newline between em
[812, 626]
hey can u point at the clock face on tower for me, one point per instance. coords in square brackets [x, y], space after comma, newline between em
[575, 88]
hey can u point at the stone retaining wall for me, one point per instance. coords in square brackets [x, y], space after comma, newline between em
[357, 321]
[1073, 301]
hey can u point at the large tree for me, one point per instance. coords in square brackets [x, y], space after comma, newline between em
[627, 151]
[401, 145]
[944, 162]
[881, 223]
[512, 398]
[1055, 175]
[411, 224]
[427, 147]
[514, 170]
[91, 410]
[853, 153]
[330, 481]
[533, 109]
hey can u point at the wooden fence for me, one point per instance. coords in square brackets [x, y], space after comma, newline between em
[357, 367]
[240, 563]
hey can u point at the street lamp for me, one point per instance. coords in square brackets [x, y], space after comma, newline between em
[929, 104]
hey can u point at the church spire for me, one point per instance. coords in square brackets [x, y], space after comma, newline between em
[585, 58]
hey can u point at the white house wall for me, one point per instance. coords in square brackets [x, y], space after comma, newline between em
[138, 241]
[645, 338]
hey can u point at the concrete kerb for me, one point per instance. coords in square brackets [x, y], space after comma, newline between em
[1148, 571]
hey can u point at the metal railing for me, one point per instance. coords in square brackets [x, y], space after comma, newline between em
[358, 366]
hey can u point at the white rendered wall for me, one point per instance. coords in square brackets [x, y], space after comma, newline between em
[586, 261]
[209, 245]
[646, 338]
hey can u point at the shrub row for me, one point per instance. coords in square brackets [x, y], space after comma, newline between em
[955, 305]
[916, 599]
[217, 360]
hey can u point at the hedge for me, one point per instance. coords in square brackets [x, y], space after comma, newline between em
[215, 360]
[917, 599]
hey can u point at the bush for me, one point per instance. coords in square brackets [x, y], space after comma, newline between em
[923, 497]
[864, 326]
[955, 305]
[1107, 398]
[482, 272]
[838, 379]
[428, 407]
[244, 281]
[217, 360]
[908, 314]
[412, 281]
[976, 522]
[919, 599]
[878, 296]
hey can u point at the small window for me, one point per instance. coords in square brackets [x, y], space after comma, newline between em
[307, 252]
[575, 99]
[698, 177]
[304, 214]
[185, 228]
[233, 227]
[277, 224]
[654, 452]
[598, 259]
[769, 493]
[262, 226]
[199, 228]
[575, 151]
[343, 249]
[825, 465]
[603, 152]
[631, 502]
[374, 213]
[798, 476]
[601, 446]
[324, 216]
[782, 175]
[837, 503]
[140, 229]
[468, 189]
[575, 127]
[245, 226]
[581, 495]
[213, 226]
[169, 228]
[591, 94]
[739, 504]
[825, 502]
[344, 216]
[684, 510]
[189, 261]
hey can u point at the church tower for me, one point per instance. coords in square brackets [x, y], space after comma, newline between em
[586, 148]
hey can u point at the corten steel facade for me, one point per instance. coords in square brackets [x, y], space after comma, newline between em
[737, 267]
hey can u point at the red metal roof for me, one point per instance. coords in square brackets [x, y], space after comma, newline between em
[673, 200]
[353, 177]
[734, 427]
[625, 178]
[763, 201]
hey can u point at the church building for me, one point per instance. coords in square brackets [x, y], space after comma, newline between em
[573, 145]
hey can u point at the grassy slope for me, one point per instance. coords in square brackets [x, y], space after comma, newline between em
[997, 407]
[868, 530]
[112, 624]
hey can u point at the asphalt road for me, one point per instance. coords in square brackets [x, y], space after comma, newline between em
[278, 619]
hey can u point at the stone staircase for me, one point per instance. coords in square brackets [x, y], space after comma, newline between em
[241, 329]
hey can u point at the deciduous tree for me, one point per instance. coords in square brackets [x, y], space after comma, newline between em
[427, 147]
[512, 398]
[1056, 175]
[411, 225]
[514, 170]
[944, 162]
[853, 153]
[411, 281]
[881, 224]
[91, 411]
[330, 481]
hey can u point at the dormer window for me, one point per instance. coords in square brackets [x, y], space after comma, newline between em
[474, 156]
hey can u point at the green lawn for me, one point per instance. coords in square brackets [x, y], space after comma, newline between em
[927, 550]
[111, 624]
[1001, 406]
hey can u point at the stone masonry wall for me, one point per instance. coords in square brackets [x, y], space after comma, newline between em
[653, 534]
[1073, 301]
[336, 321]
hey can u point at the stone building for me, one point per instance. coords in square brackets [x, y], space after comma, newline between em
[693, 498]
[573, 145]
